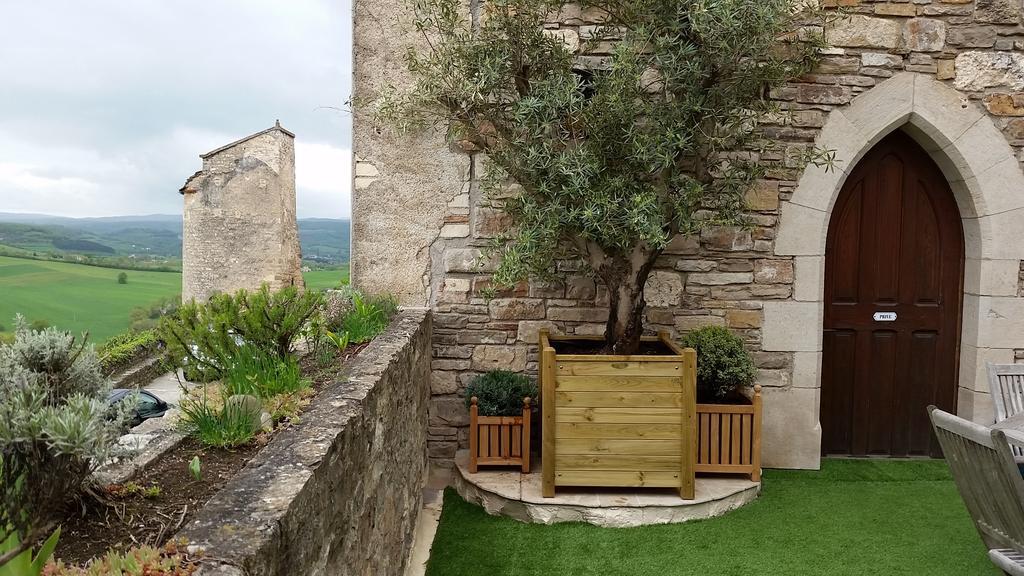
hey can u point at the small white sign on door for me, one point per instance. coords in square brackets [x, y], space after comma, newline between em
[885, 316]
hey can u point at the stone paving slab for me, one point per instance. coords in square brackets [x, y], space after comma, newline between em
[507, 492]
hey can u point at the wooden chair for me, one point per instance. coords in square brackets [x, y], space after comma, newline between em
[1006, 382]
[989, 482]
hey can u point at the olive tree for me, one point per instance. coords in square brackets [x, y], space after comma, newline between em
[607, 159]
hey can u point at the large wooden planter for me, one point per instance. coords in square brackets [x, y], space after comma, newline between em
[729, 438]
[618, 420]
[499, 440]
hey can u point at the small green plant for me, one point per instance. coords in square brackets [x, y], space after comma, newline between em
[171, 560]
[17, 560]
[257, 373]
[122, 278]
[500, 392]
[368, 317]
[195, 468]
[152, 492]
[222, 427]
[723, 364]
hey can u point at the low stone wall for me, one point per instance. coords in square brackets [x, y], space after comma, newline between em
[338, 493]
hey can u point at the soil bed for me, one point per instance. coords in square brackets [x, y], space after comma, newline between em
[124, 516]
[594, 347]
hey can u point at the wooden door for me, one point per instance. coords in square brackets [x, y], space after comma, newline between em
[893, 292]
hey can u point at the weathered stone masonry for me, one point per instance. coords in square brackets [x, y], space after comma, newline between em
[239, 226]
[951, 73]
[337, 494]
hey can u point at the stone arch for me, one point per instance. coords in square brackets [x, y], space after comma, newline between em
[988, 185]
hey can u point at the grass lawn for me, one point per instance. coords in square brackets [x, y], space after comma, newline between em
[854, 517]
[78, 297]
[324, 279]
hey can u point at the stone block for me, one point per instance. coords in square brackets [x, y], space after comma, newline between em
[681, 244]
[487, 358]
[792, 326]
[801, 229]
[991, 277]
[791, 434]
[806, 370]
[998, 11]
[823, 94]
[972, 36]
[719, 278]
[975, 406]
[890, 9]
[466, 260]
[490, 222]
[689, 323]
[529, 330]
[773, 271]
[858, 31]
[976, 71]
[925, 34]
[945, 70]
[999, 321]
[1003, 104]
[580, 288]
[763, 196]
[973, 365]
[663, 289]
[454, 231]
[743, 319]
[881, 59]
[808, 278]
[516, 309]
[578, 314]
[443, 382]
[726, 239]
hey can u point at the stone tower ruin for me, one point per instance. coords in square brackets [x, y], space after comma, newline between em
[239, 227]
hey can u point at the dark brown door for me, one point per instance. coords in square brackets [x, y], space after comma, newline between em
[893, 291]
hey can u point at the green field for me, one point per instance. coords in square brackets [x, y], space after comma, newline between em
[324, 279]
[88, 298]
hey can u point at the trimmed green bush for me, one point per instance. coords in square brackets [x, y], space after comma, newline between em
[501, 393]
[122, 350]
[723, 364]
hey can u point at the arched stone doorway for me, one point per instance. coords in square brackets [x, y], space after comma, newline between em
[893, 287]
[987, 183]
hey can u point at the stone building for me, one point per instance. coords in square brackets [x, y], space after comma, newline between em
[239, 219]
[898, 275]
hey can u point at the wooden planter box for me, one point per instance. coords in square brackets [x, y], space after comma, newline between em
[618, 420]
[499, 440]
[729, 437]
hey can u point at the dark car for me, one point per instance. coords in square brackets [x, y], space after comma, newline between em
[148, 405]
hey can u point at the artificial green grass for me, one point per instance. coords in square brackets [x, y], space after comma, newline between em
[854, 517]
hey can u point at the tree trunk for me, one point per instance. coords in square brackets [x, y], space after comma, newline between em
[625, 278]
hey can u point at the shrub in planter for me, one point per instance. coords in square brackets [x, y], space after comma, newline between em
[728, 438]
[724, 366]
[499, 419]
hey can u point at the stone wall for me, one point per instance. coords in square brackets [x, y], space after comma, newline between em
[740, 278]
[337, 494]
[239, 226]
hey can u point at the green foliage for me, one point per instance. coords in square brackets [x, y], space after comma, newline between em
[6, 338]
[122, 350]
[257, 373]
[368, 317]
[195, 468]
[122, 278]
[723, 364]
[39, 325]
[24, 563]
[148, 317]
[55, 424]
[608, 162]
[206, 337]
[170, 560]
[225, 426]
[501, 393]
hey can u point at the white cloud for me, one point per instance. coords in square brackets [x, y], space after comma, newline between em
[108, 104]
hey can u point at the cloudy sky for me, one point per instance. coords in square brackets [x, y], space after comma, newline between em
[105, 105]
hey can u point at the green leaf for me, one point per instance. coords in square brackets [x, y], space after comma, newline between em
[195, 468]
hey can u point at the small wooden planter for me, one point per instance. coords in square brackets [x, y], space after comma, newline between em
[499, 440]
[729, 437]
[624, 421]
